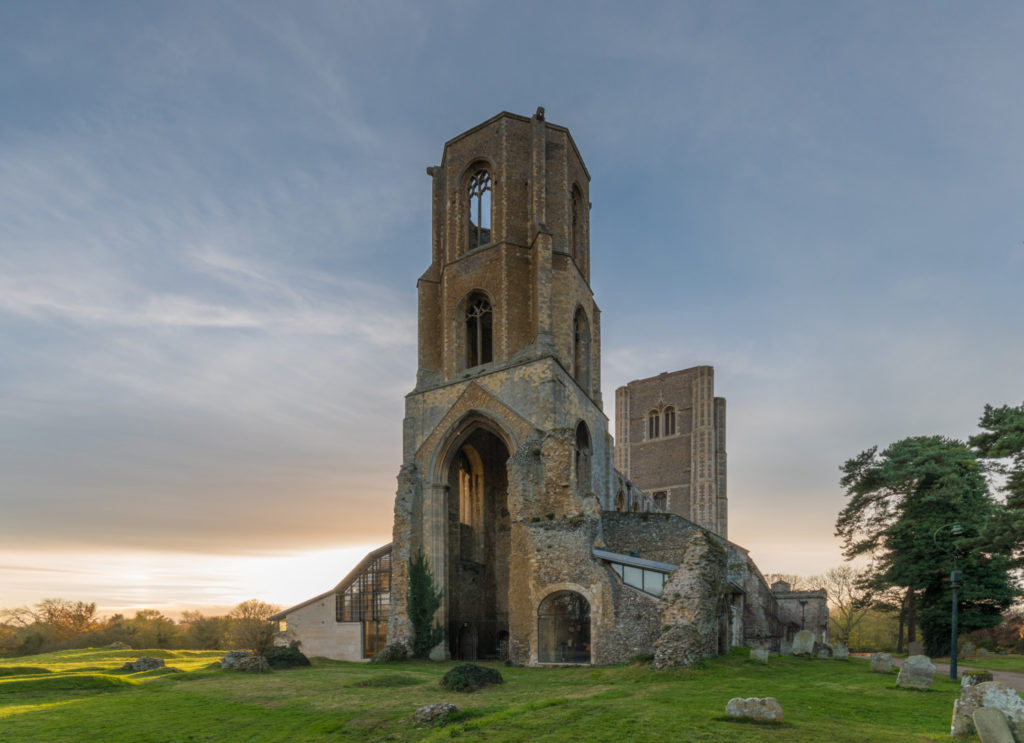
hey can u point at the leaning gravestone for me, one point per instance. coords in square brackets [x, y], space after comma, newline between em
[992, 694]
[762, 709]
[759, 654]
[916, 673]
[881, 663]
[840, 652]
[992, 726]
[803, 643]
[915, 648]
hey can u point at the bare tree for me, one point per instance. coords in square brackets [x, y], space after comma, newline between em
[250, 628]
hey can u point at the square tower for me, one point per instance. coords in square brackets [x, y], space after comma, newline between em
[670, 442]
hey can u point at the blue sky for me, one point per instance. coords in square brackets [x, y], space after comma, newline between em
[213, 215]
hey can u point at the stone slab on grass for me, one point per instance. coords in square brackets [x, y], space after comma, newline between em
[803, 643]
[881, 663]
[917, 673]
[759, 654]
[759, 709]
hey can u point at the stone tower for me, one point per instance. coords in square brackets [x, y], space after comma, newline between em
[670, 441]
[506, 452]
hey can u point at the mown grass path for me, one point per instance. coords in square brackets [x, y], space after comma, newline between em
[81, 697]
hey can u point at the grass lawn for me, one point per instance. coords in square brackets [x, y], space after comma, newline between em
[79, 696]
[1012, 663]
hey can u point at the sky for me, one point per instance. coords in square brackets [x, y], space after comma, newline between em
[213, 215]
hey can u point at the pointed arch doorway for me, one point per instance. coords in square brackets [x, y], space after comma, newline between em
[478, 546]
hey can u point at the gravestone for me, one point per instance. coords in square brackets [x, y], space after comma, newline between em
[915, 648]
[759, 654]
[973, 678]
[991, 694]
[840, 652]
[992, 726]
[967, 650]
[917, 673]
[803, 643]
[762, 709]
[881, 663]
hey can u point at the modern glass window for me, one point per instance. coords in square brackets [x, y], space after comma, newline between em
[479, 209]
[648, 581]
[367, 599]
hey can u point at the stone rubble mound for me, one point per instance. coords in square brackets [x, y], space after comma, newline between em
[760, 709]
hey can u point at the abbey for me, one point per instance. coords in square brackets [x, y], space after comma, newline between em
[542, 550]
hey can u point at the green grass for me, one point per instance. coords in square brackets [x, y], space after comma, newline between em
[1012, 663]
[824, 700]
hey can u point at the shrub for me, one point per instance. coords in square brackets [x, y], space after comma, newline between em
[467, 677]
[423, 600]
[289, 657]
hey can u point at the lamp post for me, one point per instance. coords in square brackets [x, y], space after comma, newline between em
[955, 530]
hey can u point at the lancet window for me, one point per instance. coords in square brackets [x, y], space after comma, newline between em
[479, 209]
[479, 331]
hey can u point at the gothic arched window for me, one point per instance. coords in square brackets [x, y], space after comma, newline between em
[583, 458]
[620, 501]
[670, 421]
[479, 333]
[653, 429]
[581, 349]
[479, 209]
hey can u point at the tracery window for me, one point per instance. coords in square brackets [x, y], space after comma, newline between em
[653, 427]
[670, 421]
[479, 209]
[479, 331]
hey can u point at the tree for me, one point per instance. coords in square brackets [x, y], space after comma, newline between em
[422, 602]
[1001, 443]
[900, 500]
[67, 618]
[849, 599]
[205, 633]
[250, 628]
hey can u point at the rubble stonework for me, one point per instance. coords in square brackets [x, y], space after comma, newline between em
[992, 694]
[693, 605]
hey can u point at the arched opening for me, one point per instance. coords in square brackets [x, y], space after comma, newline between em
[479, 193]
[478, 545]
[479, 330]
[583, 482]
[620, 501]
[563, 628]
[581, 349]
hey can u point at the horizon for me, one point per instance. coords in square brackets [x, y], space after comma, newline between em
[213, 218]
